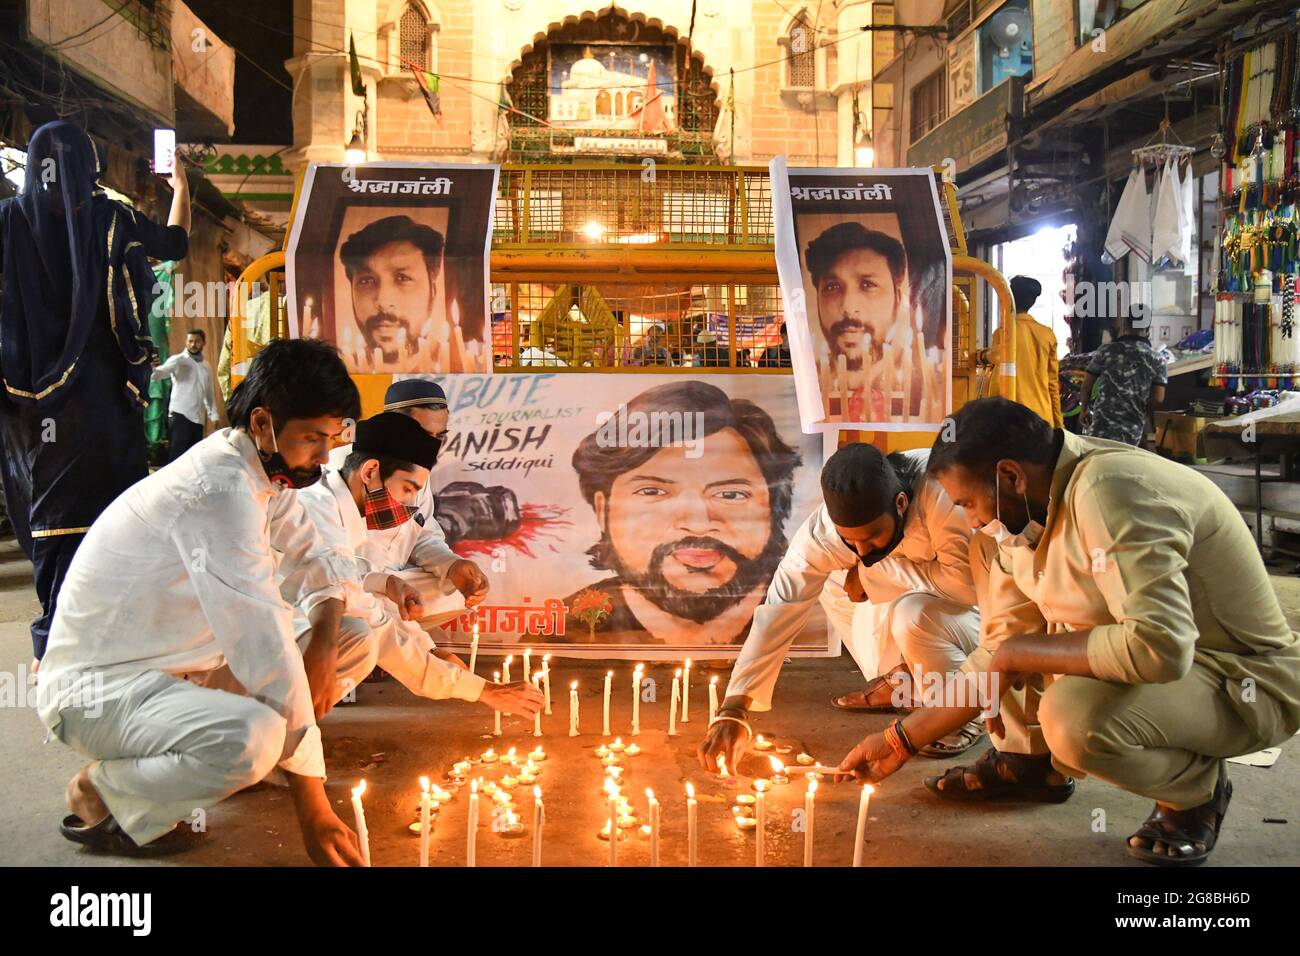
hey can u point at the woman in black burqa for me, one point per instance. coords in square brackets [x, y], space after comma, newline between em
[74, 348]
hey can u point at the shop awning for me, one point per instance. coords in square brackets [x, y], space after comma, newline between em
[1157, 30]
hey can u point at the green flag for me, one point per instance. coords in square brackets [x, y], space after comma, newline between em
[358, 88]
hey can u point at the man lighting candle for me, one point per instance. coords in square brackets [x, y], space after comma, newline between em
[892, 541]
[1126, 594]
[170, 610]
[418, 548]
[383, 473]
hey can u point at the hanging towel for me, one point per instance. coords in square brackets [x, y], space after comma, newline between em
[1166, 228]
[1131, 227]
[1188, 208]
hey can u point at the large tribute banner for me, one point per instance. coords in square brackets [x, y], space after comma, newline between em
[866, 277]
[624, 516]
[389, 261]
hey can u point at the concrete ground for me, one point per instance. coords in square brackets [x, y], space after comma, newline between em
[391, 738]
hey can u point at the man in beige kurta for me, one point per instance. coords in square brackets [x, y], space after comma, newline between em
[1130, 586]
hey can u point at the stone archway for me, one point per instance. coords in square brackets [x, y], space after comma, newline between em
[550, 87]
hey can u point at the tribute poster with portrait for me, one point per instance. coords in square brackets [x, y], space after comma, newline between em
[866, 278]
[644, 517]
[389, 262]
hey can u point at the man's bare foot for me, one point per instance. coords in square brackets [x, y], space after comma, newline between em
[84, 800]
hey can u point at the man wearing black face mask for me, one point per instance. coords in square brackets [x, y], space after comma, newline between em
[171, 619]
[892, 541]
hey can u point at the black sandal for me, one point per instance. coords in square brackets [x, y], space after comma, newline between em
[107, 836]
[1191, 832]
[1018, 776]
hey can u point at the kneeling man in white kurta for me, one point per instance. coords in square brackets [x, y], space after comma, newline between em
[890, 540]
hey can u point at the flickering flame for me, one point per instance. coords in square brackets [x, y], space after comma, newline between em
[760, 785]
[713, 679]
[649, 794]
[473, 786]
[722, 765]
[573, 686]
[537, 793]
[690, 791]
[777, 766]
[812, 785]
[678, 672]
[359, 789]
[424, 784]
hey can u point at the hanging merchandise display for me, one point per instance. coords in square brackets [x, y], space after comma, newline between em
[1157, 224]
[1256, 346]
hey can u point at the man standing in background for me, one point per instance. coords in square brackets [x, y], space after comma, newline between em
[1038, 383]
[191, 394]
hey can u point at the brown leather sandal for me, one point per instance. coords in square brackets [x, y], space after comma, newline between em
[839, 702]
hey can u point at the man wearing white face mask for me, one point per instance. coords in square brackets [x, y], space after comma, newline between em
[1147, 665]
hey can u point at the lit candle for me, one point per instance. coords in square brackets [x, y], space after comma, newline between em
[609, 677]
[672, 709]
[617, 745]
[472, 838]
[808, 801]
[778, 771]
[424, 821]
[510, 757]
[690, 825]
[863, 803]
[528, 667]
[713, 697]
[612, 789]
[473, 647]
[362, 836]
[760, 813]
[505, 667]
[761, 744]
[573, 709]
[488, 756]
[538, 817]
[654, 827]
[537, 717]
[538, 754]
[637, 673]
[496, 714]
[546, 679]
[686, 692]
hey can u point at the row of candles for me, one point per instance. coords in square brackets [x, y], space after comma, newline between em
[681, 697]
[620, 814]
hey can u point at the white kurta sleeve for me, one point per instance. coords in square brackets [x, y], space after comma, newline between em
[815, 551]
[165, 369]
[429, 548]
[222, 539]
[317, 561]
[406, 652]
[1140, 558]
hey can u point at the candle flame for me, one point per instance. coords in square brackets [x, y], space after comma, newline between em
[649, 794]
[496, 677]
[473, 786]
[868, 788]
[359, 789]
[537, 793]
[760, 785]
[639, 667]
[688, 663]
[722, 765]
[777, 766]
[509, 658]
[528, 651]
[609, 673]
[690, 791]
[573, 686]
[546, 658]
[424, 784]
[611, 787]
[713, 679]
[812, 785]
[677, 673]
